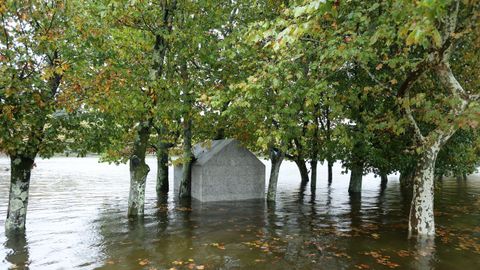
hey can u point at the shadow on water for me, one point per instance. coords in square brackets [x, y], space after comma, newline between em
[18, 254]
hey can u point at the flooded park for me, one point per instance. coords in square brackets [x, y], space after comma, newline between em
[77, 220]
[193, 135]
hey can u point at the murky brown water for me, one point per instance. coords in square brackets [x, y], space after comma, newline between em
[77, 220]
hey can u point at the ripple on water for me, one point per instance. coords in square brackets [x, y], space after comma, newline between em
[77, 220]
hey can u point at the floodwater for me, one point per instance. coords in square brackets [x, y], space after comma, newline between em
[77, 220]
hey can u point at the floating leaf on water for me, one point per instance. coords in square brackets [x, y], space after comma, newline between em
[177, 262]
[403, 253]
[143, 262]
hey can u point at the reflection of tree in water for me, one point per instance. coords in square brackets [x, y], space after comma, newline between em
[124, 242]
[19, 252]
[425, 250]
[355, 202]
[162, 214]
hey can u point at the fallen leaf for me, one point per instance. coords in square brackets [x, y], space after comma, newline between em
[143, 262]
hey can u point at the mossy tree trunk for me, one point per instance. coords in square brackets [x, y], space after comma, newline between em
[276, 157]
[302, 168]
[356, 177]
[138, 171]
[162, 167]
[21, 168]
[185, 188]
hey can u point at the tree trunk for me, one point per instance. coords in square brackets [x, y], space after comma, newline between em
[138, 171]
[383, 180]
[421, 219]
[356, 176]
[439, 177]
[330, 171]
[276, 157]
[185, 189]
[313, 177]
[162, 168]
[20, 169]
[406, 179]
[314, 151]
[461, 177]
[302, 167]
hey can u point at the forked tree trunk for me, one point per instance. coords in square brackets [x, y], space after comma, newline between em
[138, 172]
[302, 167]
[330, 171]
[313, 176]
[276, 157]
[20, 170]
[162, 168]
[185, 189]
[421, 220]
[356, 176]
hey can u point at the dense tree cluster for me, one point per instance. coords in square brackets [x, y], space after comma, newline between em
[380, 86]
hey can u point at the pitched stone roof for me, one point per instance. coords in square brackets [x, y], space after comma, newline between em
[203, 152]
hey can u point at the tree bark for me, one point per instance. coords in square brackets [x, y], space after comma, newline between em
[185, 189]
[421, 219]
[313, 177]
[276, 157]
[138, 171]
[20, 170]
[356, 176]
[162, 167]
[302, 167]
[330, 171]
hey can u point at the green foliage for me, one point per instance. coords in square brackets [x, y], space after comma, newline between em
[315, 79]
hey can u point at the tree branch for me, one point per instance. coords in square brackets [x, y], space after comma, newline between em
[413, 122]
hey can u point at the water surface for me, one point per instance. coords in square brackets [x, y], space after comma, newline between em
[77, 220]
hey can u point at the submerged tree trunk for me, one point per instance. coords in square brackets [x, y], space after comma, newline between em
[356, 176]
[138, 171]
[20, 169]
[276, 157]
[185, 189]
[421, 219]
[162, 167]
[313, 176]
[383, 180]
[461, 177]
[330, 171]
[314, 150]
[302, 167]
